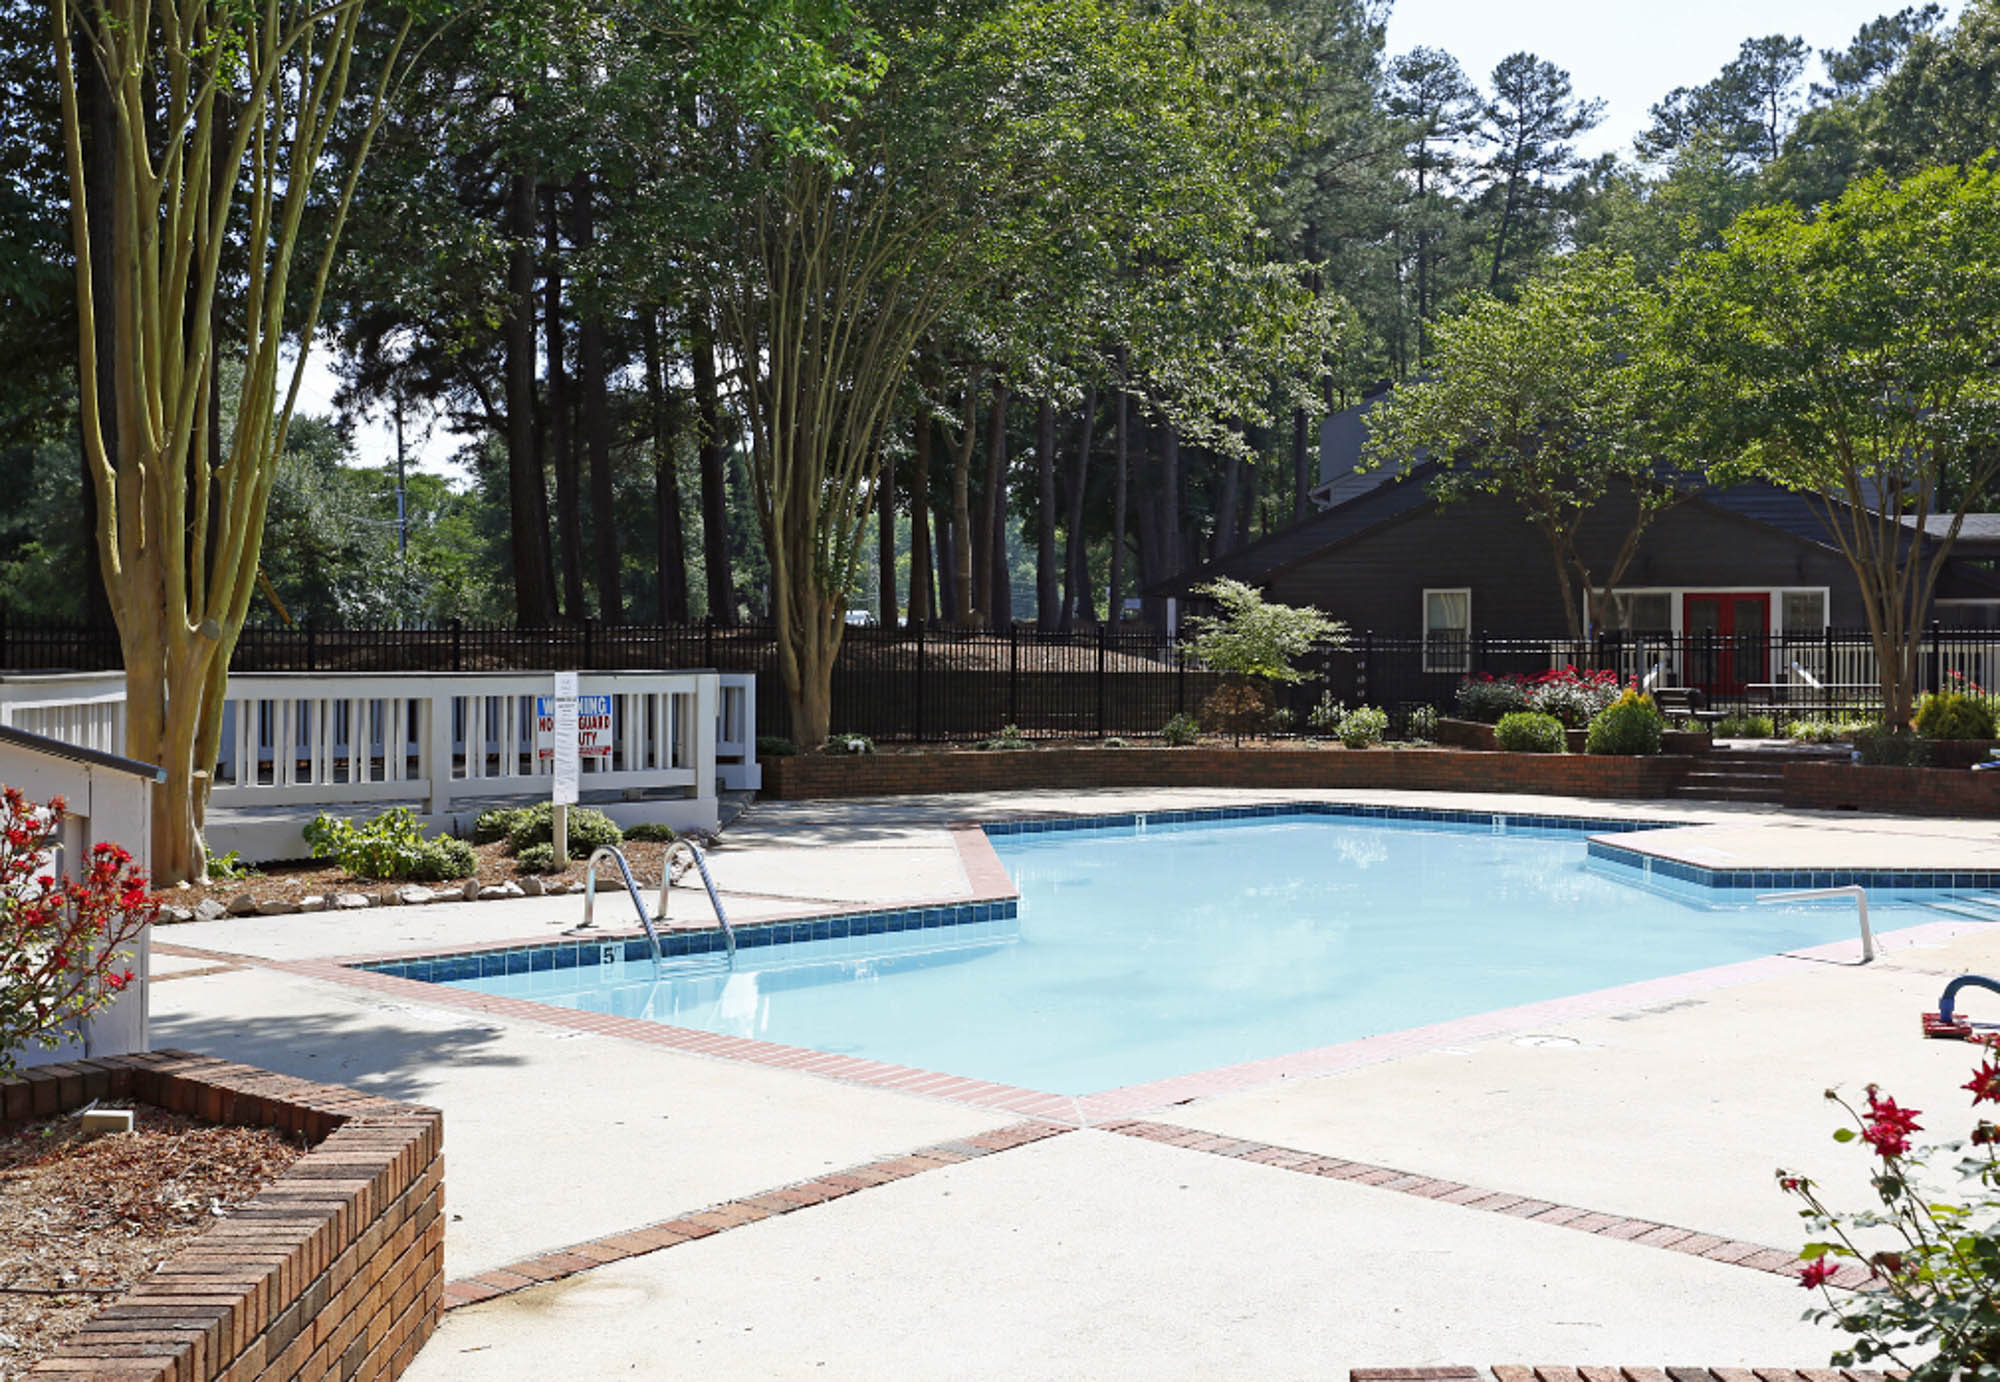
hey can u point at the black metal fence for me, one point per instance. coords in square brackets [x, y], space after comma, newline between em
[940, 684]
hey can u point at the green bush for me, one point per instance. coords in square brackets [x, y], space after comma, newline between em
[391, 846]
[1954, 715]
[1363, 727]
[535, 825]
[651, 832]
[775, 746]
[537, 858]
[1326, 714]
[848, 743]
[1744, 727]
[1421, 723]
[1526, 731]
[1010, 737]
[1885, 746]
[1180, 731]
[1822, 731]
[1630, 726]
[496, 824]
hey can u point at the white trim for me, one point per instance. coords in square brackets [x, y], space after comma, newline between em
[1775, 593]
[1443, 661]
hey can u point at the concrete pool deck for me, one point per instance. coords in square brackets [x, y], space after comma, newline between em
[1228, 1235]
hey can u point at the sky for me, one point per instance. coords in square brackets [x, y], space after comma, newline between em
[1628, 53]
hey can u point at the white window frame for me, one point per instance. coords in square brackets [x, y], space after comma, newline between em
[1439, 659]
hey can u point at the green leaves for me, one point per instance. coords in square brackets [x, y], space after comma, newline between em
[1254, 638]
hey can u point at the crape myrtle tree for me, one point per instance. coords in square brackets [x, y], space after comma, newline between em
[1850, 356]
[980, 156]
[221, 118]
[1550, 401]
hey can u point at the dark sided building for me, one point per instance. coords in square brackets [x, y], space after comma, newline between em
[1749, 562]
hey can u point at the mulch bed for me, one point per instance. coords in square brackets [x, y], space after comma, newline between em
[290, 882]
[81, 1221]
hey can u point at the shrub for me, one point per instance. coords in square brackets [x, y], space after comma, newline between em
[496, 824]
[848, 743]
[391, 847]
[1256, 640]
[65, 941]
[1528, 731]
[1421, 723]
[226, 868]
[1629, 726]
[587, 830]
[1887, 746]
[1237, 708]
[775, 746]
[1954, 715]
[1489, 699]
[1571, 696]
[1744, 727]
[537, 858]
[651, 832]
[1326, 714]
[1180, 731]
[1009, 737]
[1363, 727]
[1933, 1293]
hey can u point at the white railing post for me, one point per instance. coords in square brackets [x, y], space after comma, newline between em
[434, 759]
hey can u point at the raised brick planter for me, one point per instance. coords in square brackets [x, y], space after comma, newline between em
[1904, 791]
[336, 1270]
[1068, 769]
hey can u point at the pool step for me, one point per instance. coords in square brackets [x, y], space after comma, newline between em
[1957, 908]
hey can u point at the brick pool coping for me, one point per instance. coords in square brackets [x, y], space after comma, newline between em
[335, 1268]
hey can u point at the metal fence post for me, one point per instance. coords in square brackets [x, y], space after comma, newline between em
[1180, 676]
[457, 642]
[1100, 681]
[920, 681]
[1937, 656]
[1013, 673]
[311, 651]
[1361, 667]
[708, 641]
[589, 641]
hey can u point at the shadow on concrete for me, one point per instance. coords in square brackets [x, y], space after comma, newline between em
[404, 1063]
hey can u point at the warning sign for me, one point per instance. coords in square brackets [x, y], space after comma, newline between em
[593, 727]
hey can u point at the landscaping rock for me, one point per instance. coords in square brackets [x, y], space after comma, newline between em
[313, 902]
[347, 902]
[388, 897]
[554, 887]
[414, 895]
[498, 890]
[242, 905]
[174, 914]
[276, 908]
[208, 909]
[472, 890]
[532, 887]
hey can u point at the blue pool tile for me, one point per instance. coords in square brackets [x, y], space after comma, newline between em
[565, 957]
[542, 959]
[520, 961]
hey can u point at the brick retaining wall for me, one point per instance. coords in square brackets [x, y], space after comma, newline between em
[336, 1270]
[1069, 769]
[1902, 791]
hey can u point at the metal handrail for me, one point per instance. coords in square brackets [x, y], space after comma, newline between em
[631, 888]
[1853, 890]
[714, 899]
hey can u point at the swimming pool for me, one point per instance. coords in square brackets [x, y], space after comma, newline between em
[1142, 950]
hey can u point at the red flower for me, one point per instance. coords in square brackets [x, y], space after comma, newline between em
[1889, 1127]
[1985, 1083]
[1985, 1135]
[1817, 1273]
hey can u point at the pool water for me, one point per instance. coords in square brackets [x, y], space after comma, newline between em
[1144, 953]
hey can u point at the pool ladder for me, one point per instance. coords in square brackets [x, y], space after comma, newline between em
[646, 919]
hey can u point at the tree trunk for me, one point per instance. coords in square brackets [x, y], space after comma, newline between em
[1248, 511]
[964, 594]
[99, 175]
[534, 590]
[885, 545]
[714, 487]
[663, 412]
[1114, 608]
[562, 445]
[922, 610]
[1078, 602]
[1048, 612]
[597, 425]
[1226, 510]
[989, 545]
[947, 565]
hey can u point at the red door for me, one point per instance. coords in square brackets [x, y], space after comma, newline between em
[1728, 641]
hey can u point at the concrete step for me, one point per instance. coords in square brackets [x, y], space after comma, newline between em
[1726, 791]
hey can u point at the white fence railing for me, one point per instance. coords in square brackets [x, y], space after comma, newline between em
[329, 739]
